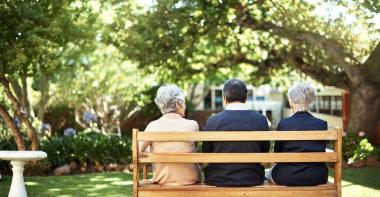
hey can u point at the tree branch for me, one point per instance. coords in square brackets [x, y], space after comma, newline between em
[12, 125]
[317, 73]
[334, 50]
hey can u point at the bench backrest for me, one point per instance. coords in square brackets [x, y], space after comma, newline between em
[331, 135]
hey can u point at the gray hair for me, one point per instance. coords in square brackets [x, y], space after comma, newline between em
[301, 96]
[167, 97]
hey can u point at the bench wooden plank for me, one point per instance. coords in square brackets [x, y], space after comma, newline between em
[338, 164]
[237, 192]
[135, 154]
[236, 157]
[148, 186]
[236, 136]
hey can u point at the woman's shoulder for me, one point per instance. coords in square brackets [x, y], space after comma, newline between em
[152, 125]
[192, 124]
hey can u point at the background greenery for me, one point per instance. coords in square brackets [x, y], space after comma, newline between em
[86, 148]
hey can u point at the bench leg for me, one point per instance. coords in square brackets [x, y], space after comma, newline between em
[18, 186]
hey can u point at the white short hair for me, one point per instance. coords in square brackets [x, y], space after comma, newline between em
[302, 95]
[167, 97]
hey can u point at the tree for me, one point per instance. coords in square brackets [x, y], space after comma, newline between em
[105, 93]
[33, 35]
[263, 38]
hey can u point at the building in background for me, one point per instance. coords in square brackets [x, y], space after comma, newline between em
[263, 99]
[269, 101]
[329, 101]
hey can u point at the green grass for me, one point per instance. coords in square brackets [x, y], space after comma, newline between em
[97, 184]
[360, 182]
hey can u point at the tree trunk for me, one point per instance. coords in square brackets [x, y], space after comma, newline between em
[44, 88]
[12, 125]
[25, 97]
[17, 110]
[365, 109]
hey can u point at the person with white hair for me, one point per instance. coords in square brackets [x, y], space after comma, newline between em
[171, 102]
[301, 97]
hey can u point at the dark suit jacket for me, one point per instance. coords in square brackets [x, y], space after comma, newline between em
[300, 174]
[235, 174]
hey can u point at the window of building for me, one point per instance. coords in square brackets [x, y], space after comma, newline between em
[218, 99]
[207, 101]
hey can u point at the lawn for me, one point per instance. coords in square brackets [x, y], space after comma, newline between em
[357, 182]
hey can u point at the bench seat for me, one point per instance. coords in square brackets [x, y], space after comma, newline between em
[147, 189]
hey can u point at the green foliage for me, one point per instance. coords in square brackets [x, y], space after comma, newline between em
[39, 32]
[109, 88]
[356, 147]
[87, 148]
[259, 41]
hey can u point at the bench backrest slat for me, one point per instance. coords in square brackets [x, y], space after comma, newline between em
[236, 136]
[236, 157]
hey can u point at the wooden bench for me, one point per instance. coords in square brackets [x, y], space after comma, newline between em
[148, 190]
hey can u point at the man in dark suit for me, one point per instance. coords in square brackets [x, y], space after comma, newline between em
[235, 117]
[301, 96]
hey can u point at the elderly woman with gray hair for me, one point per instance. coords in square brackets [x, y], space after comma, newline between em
[301, 97]
[171, 101]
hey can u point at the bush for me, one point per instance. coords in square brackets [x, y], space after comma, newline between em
[87, 148]
[37, 168]
[356, 146]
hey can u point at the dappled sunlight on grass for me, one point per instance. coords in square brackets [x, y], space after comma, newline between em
[122, 183]
[54, 190]
[97, 178]
[363, 182]
[97, 184]
[113, 179]
[101, 186]
[31, 183]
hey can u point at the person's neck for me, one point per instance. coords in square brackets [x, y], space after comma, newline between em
[173, 115]
[236, 106]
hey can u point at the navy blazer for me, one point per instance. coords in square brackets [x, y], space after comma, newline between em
[300, 174]
[242, 174]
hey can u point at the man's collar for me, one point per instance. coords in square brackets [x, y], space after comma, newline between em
[237, 106]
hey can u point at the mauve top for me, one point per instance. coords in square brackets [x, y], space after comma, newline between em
[172, 173]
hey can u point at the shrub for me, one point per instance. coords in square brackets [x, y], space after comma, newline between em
[356, 146]
[87, 148]
[37, 168]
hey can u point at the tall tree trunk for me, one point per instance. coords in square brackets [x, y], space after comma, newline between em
[17, 110]
[44, 88]
[12, 125]
[25, 97]
[365, 109]
[16, 89]
[21, 93]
